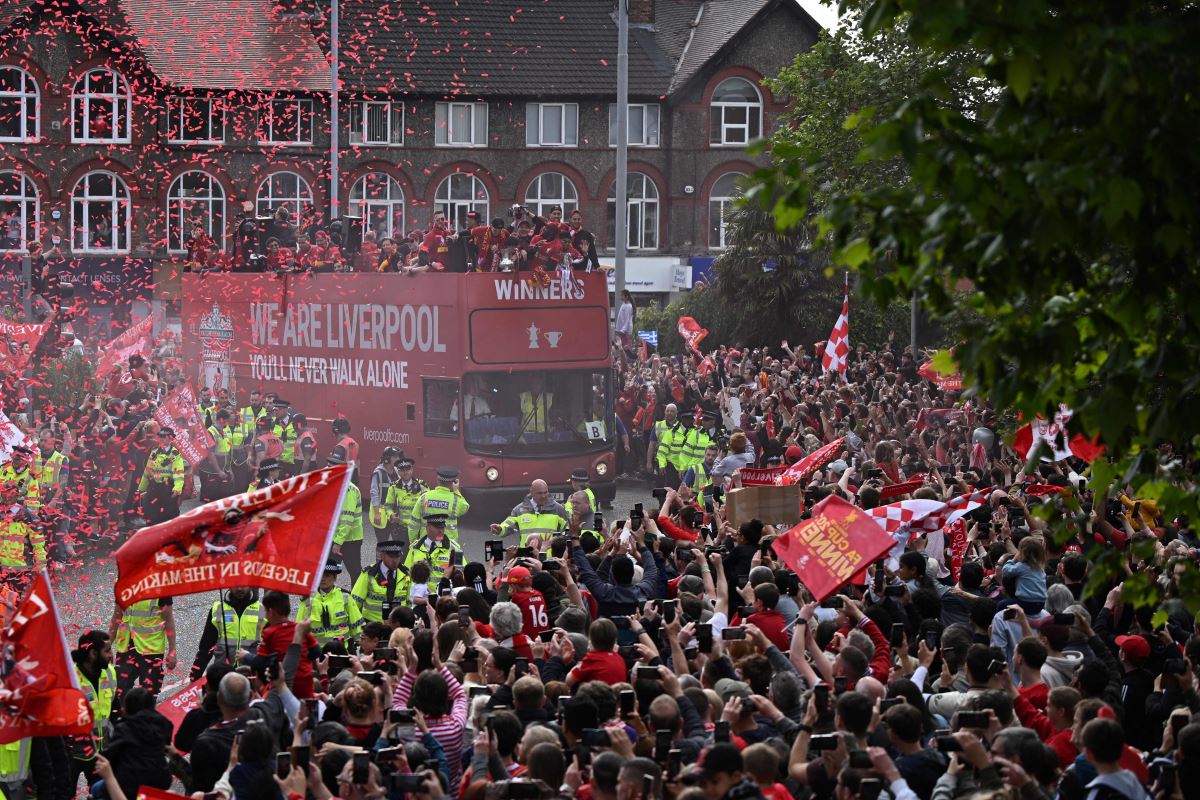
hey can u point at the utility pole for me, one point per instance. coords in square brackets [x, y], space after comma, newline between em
[333, 113]
[912, 332]
[621, 189]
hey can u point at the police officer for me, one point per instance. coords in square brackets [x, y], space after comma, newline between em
[382, 478]
[231, 630]
[698, 477]
[17, 530]
[215, 481]
[98, 680]
[248, 416]
[53, 479]
[402, 497]
[283, 428]
[206, 404]
[445, 499]
[579, 483]
[379, 585]
[662, 453]
[268, 473]
[144, 641]
[435, 547]
[19, 475]
[161, 485]
[348, 536]
[346, 447]
[698, 439]
[331, 611]
[537, 516]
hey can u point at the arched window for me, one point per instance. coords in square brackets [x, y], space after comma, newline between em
[100, 107]
[100, 214]
[19, 208]
[283, 189]
[551, 189]
[19, 105]
[379, 199]
[195, 197]
[641, 212]
[736, 113]
[720, 200]
[457, 195]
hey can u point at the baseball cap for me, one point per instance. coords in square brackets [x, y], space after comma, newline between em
[519, 575]
[793, 454]
[692, 583]
[728, 687]
[1134, 646]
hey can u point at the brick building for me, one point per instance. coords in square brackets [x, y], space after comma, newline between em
[121, 121]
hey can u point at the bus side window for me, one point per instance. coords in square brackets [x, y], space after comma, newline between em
[441, 407]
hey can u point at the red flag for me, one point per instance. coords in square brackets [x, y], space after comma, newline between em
[39, 693]
[897, 489]
[1054, 435]
[691, 332]
[18, 340]
[952, 382]
[274, 538]
[828, 549]
[150, 793]
[131, 342]
[755, 476]
[932, 417]
[180, 412]
[838, 346]
[1042, 489]
[183, 701]
[956, 533]
[803, 469]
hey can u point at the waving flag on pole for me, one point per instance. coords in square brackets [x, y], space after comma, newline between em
[1054, 435]
[692, 333]
[838, 346]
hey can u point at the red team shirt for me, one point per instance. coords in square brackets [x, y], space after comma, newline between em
[533, 611]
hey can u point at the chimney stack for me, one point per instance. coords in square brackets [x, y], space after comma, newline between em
[641, 12]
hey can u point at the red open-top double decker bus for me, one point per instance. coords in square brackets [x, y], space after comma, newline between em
[503, 379]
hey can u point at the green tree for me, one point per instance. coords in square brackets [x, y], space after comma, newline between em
[1068, 201]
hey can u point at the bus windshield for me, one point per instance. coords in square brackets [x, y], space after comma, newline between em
[543, 413]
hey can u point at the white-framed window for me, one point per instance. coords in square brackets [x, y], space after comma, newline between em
[20, 209]
[195, 120]
[195, 197]
[376, 122]
[641, 212]
[287, 121]
[736, 113]
[20, 105]
[552, 124]
[100, 108]
[720, 199]
[551, 189]
[460, 125]
[458, 194]
[100, 214]
[643, 124]
[283, 189]
[378, 199]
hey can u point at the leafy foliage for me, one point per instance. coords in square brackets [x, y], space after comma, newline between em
[1066, 197]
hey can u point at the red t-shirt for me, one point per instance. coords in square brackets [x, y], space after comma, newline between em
[533, 611]
[607, 667]
[1037, 695]
[275, 641]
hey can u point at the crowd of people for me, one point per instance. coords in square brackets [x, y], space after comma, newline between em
[550, 245]
[666, 653]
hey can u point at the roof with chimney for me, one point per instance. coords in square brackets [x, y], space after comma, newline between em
[446, 48]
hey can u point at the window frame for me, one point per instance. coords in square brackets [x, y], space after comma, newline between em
[363, 205]
[298, 198]
[454, 422]
[646, 107]
[360, 123]
[724, 200]
[537, 204]
[176, 105]
[81, 106]
[641, 202]
[216, 195]
[266, 134]
[24, 200]
[444, 128]
[24, 96]
[449, 205]
[717, 112]
[535, 135]
[115, 205]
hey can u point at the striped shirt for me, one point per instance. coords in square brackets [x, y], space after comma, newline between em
[450, 729]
